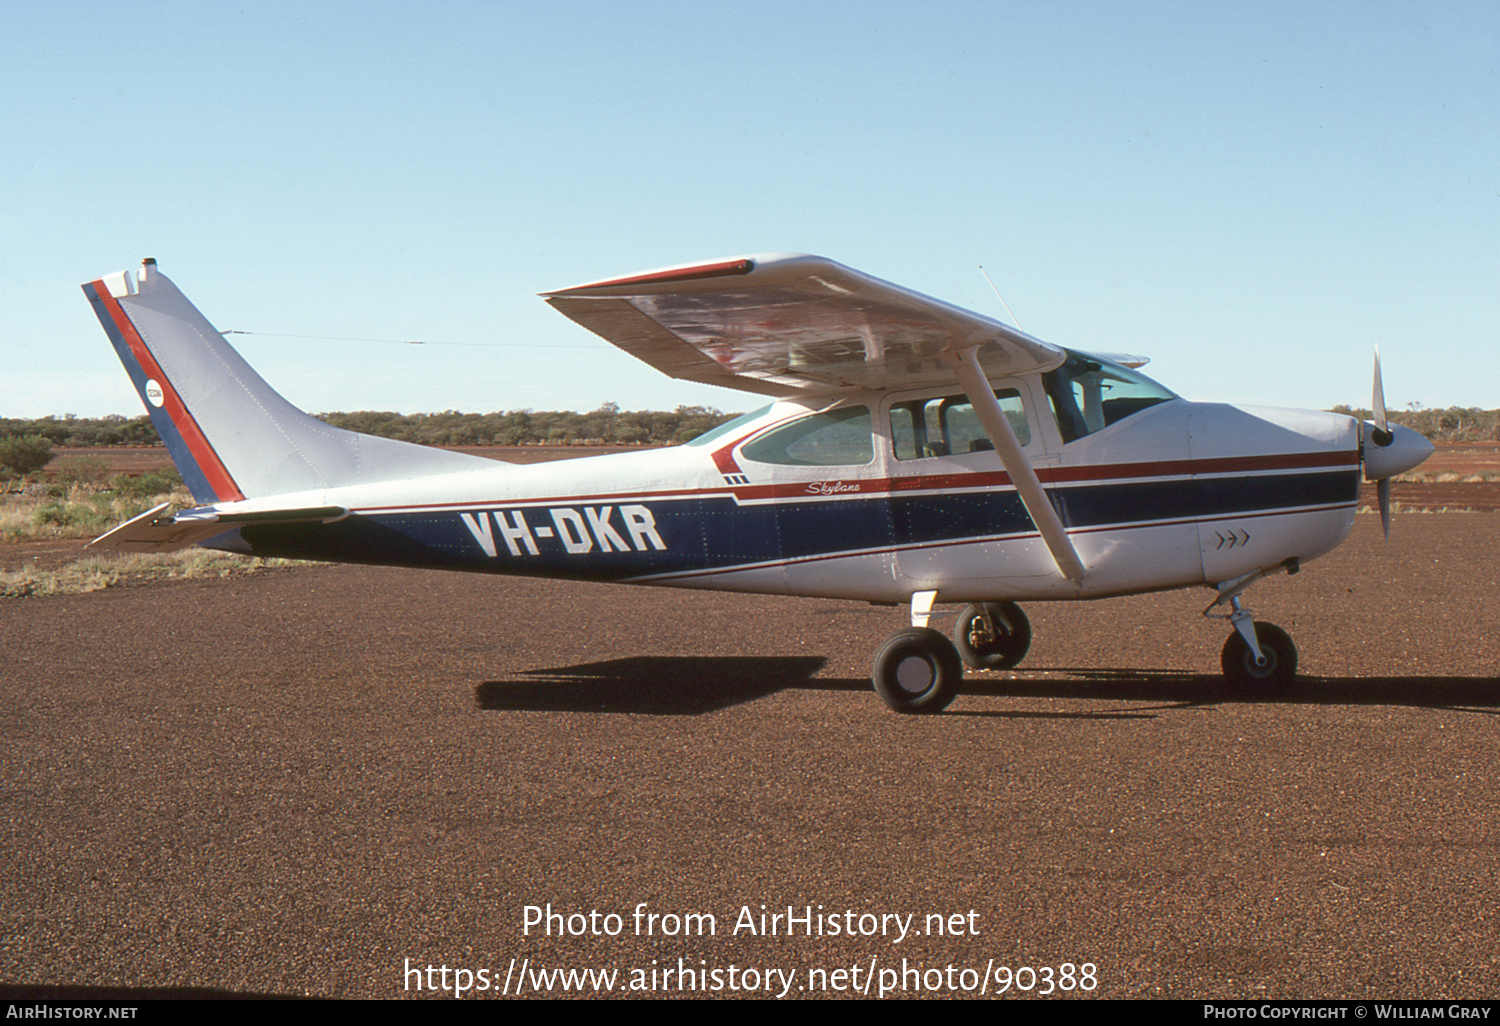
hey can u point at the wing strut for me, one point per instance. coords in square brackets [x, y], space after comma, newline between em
[966, 366]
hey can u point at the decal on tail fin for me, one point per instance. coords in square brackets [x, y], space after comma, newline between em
[231, 435]
[202, 471]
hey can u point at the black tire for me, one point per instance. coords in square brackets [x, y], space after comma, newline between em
[1009, 631]
[1275, 644]
[917, 670]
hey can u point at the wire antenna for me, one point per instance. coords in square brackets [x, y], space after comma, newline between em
[1000, 297]
[411, 341]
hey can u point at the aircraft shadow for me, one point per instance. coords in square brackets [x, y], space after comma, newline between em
[693, 685]
[652, 685]
[1181, 689]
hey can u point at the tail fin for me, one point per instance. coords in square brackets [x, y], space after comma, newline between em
[229, 433]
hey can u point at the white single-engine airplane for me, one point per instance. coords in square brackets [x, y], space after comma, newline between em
[915, 453]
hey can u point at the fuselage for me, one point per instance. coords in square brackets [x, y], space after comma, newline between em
[881, 494]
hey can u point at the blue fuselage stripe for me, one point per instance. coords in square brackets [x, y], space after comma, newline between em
[631, 538]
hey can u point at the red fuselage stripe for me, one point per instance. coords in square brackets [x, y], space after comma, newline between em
[875, 487]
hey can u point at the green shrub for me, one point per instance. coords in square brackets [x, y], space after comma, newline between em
[143, 486]
[53, 513]
[78, 515]
[24, 454]
[80, 470]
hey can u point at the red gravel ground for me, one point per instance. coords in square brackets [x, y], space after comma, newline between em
[313, 781]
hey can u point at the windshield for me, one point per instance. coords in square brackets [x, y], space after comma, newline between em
[1088, 394]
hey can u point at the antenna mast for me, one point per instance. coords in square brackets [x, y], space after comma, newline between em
[1000, 297]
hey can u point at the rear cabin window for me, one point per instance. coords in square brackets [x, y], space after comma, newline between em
[835, 438]
[948, 426]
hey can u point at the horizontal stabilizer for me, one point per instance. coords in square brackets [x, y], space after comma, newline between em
[157, 531]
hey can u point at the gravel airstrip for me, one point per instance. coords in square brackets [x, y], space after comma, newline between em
[324, 780]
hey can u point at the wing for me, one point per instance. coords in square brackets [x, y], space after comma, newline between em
[790, 324]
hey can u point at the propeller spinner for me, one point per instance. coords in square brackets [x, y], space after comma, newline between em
[1388, 451]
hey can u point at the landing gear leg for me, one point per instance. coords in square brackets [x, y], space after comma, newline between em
[917, 670]
[1257, 652]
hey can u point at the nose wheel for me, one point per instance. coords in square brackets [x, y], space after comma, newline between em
[1278, 657]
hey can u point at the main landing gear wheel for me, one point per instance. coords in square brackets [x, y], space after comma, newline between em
[917, 670]
[992, 636]
[1280, 664]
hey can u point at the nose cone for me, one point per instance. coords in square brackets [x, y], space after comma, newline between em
[1404, 450]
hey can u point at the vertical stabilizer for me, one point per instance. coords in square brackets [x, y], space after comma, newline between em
[231, 435]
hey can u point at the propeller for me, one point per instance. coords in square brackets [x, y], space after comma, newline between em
[1377, 397]
[1388, 452]
[1382, 437]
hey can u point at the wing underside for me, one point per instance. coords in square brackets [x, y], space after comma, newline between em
[786, 325]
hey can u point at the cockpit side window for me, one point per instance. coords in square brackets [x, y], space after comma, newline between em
[1088, 394]
[834, 438]
[947, 425]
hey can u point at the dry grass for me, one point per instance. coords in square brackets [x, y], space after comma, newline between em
[1448, 477]
[95, 573]
[77, 510]
[78, 503]
[1396, 507]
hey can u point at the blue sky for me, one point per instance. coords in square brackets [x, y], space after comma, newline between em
[1253, 194]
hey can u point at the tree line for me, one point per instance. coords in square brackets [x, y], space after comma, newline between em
[24, 441]
[1453, 424]
[608, 425]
